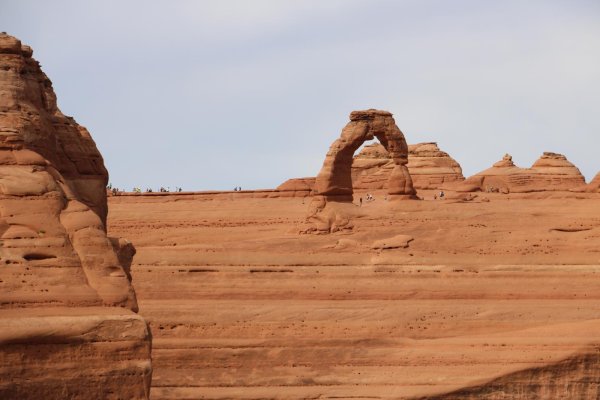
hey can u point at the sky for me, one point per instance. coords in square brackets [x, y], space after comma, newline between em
[209, 95]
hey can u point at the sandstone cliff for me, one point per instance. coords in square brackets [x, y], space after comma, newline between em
[67, 303]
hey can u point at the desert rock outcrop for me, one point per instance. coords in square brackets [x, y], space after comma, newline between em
[429, 167]
[594, 185]
[331, 209]
[492, 300]
[334, 181]
[551, 172]
[64, 286]
[296, 187]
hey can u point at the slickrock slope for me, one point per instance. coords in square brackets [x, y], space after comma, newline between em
[297, 187]
[66, 304]
[491, 299]
[551, 172]
[429, 167]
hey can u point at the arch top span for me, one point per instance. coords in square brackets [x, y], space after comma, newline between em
[334, 181]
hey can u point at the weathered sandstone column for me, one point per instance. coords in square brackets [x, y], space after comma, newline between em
[68, 327]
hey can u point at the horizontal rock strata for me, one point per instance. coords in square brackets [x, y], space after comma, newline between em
[551, 172]
[75, 353]
[429, 167]
[471, 306]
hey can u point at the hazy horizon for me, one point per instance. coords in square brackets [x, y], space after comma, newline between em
[217, 94]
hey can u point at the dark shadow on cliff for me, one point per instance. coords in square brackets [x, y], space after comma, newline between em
[577, 377]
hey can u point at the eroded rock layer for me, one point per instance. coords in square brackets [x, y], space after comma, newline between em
[551, 172]
[493, 299]
[429, 167]
[54, 248]
[297, 187]
[74, 353]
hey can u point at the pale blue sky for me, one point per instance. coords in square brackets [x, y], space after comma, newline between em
[216, 94]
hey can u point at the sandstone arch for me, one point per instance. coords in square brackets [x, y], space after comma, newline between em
[334, 181]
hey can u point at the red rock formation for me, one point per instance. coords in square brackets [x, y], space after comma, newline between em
[594, 185]
[432, 168]
[551, 172]
[54, 248]
[495, 300]
[334, 181]
[371, 168]
[331, 209]
[429, 167]
[296, 187]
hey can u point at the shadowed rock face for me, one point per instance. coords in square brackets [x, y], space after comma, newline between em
[576, 377]
[594, 185]
[55, 255]
[334, 181]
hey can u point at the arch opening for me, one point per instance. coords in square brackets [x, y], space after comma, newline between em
[334, 181]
